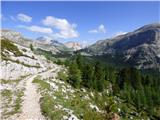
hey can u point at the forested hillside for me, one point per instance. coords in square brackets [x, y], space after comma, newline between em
[136, 88]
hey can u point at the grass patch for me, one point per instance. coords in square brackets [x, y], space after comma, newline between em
[92, 115]
[43, 85]
[17, 104]
[80, 106]
[2, 81]
[48, 108]
[16, 81]
[8, 45]
[18, 101]
[7, 94]
[11, 99]
[62, 76]
[11, 106]
[18, 62]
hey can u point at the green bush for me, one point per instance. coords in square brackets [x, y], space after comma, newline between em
[62, 76]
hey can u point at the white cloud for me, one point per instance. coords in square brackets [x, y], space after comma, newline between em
[24, 18]
[39, 29]
[66, 29]
[100, 29]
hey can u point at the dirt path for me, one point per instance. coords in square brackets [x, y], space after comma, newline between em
[30, 106]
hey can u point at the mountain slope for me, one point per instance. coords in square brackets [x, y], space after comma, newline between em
[19, 39]
[140, 48]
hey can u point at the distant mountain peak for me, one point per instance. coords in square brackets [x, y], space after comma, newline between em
[73, 45]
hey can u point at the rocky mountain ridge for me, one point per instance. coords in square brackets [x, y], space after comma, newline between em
[42, 42]
[140, 48]
[19, 39]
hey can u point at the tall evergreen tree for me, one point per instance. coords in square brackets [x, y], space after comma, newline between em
[31, 47]
[74, 75]
[98, 77]
[88, 76]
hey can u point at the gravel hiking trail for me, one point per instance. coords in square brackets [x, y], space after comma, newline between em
[30, 106]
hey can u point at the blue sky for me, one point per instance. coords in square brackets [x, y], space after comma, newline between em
[85, 22]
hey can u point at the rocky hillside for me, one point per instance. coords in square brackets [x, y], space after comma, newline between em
[20, 61]
[19, 39]
[140, 48]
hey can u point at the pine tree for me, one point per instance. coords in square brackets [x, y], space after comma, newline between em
[88, 76]
[79, 61]
[31, 47]
[74, 75]
[98, 77]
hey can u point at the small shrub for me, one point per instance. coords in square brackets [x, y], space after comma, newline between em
[33, 57]
[62, 76]
[24, 50]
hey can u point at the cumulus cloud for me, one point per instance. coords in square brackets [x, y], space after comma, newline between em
[24, 18]
[66, 29]
[39, 29]
[100, 29]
